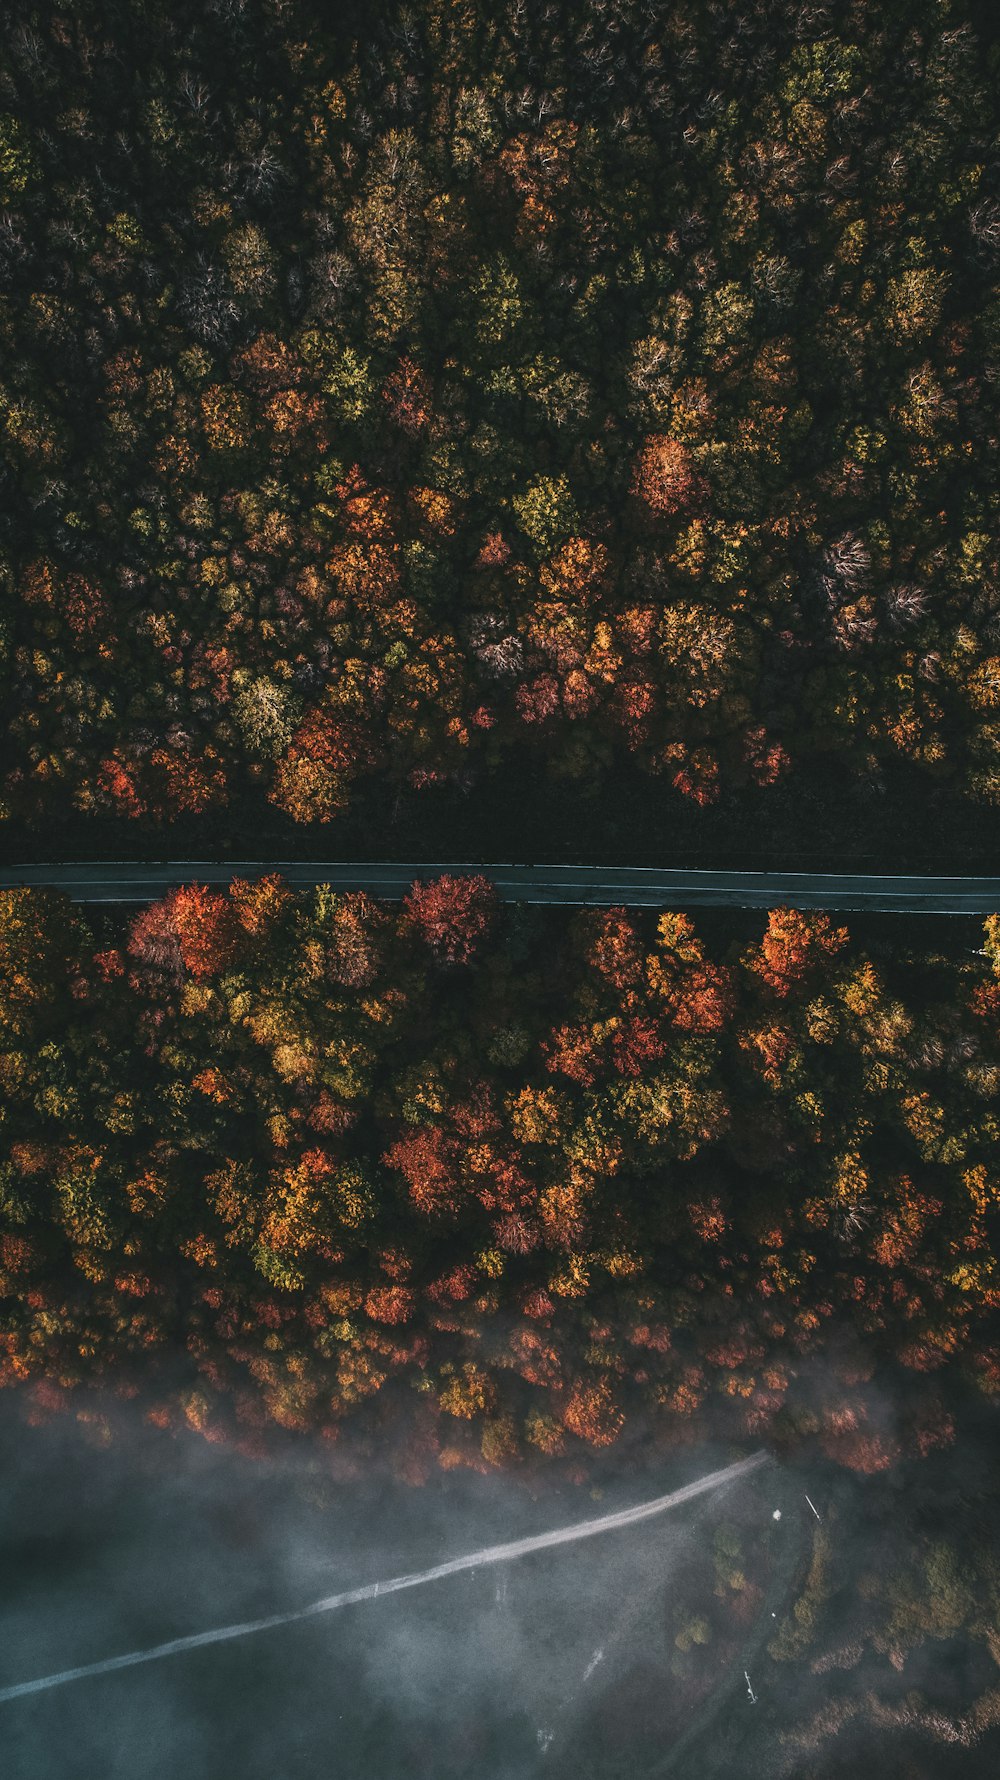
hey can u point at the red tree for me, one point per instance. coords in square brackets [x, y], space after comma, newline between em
[793, 945]
[426, 1161]
[389, 1304]
[192, 929]
[538, 699]
[636, 1043]
[452, 915]
[706, 1001]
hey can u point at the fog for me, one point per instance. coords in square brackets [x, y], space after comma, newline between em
[491, 1671]
[572, 1661]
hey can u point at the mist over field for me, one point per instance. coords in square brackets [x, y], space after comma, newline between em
[620, 1655]
[492, 1671]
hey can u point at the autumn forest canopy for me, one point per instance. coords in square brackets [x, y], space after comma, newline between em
[487, 1185]
[556, 430]
[398, 399]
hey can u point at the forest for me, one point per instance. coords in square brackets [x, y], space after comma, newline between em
[484, 1185]
[539, 431]
[452, 1186]
[459, 389]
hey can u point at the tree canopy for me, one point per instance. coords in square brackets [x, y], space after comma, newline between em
[502, 1182]
[386, 394]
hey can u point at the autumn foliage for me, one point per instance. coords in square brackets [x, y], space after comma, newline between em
[600, 394]
[452, 915]
[664, 476]
[191, 932]
[515, 1184]
[795, 945]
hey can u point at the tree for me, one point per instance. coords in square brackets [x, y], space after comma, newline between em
[611, 947]
[794, 946]
[193, 929]
[992, 942]
[546, 513]
[664, 478]
[259, 905]
[407, 392]
[591, 1413]
[427, 1161]
[38, 938]
[452, 915]
[354, 929]
[313, 778]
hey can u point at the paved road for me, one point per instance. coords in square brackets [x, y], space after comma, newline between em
[571, 884]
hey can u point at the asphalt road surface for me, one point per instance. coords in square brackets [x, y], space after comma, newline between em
[574, 885]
